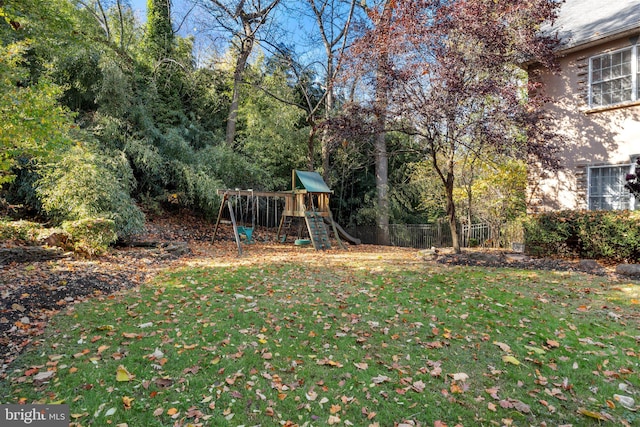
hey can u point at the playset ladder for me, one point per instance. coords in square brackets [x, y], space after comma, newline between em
[317, 230]
[284, 228]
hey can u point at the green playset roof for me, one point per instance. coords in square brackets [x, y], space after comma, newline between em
[310, 181]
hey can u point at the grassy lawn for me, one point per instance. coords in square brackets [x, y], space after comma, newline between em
[335, 339]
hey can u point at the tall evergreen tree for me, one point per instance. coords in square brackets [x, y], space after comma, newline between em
[159, 36]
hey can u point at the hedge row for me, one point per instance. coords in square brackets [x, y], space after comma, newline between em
[610, 235]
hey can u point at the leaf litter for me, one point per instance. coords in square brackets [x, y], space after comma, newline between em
[356, 344]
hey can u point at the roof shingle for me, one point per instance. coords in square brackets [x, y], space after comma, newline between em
[584, 21]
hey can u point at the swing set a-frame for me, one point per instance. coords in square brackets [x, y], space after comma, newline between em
[308, 200]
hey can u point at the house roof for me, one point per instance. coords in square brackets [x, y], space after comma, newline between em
[583, 22]
[310, 181]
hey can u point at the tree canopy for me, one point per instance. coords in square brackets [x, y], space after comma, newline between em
[105, 115]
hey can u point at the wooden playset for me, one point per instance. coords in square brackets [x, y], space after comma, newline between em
[308, 200]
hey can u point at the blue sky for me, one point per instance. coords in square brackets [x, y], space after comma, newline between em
[140, 5]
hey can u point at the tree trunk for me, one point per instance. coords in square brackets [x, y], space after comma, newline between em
[451, 212]
[310, 147]
[382, 187]
[469, 216]
[241, 63]
[380, 142]
[326, 150]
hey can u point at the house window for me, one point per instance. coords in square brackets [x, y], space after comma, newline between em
[613, 77]
[606, 188]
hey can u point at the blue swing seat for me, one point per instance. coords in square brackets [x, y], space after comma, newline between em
[246, 232]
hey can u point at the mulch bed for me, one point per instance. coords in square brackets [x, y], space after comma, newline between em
[519, 261]
[36, 282]
[31, 292]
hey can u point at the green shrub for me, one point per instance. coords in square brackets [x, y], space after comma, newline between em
[611, 235]
[91, 236]
[85, 185]
[20, 230]
[548, 234]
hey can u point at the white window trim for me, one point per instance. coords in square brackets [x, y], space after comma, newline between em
[631, 169]
[634, 76]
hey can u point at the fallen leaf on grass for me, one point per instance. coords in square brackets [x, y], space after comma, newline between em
[127, 401]
[123, 375]
[31, 371]
[522, 407]
[553, 343]
[456, 388]
[328, 362]
[504, 347]
[418, 386]
[81, 353]
[333, 420]
[42, 377]
[380, 379]
[76, 416]
[131, 335]
[536, 350]
[510, 359]
[460, 376]
[434, 344]
[591, 414]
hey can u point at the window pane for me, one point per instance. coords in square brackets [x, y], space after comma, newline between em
[606, 188]
[611, 81]
[616, 97]
[616, 71]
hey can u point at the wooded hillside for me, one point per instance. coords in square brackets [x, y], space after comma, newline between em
[408, 111]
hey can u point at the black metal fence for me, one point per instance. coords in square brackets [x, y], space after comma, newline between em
[423, 236]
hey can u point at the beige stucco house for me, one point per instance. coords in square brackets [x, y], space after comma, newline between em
[595, 106]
